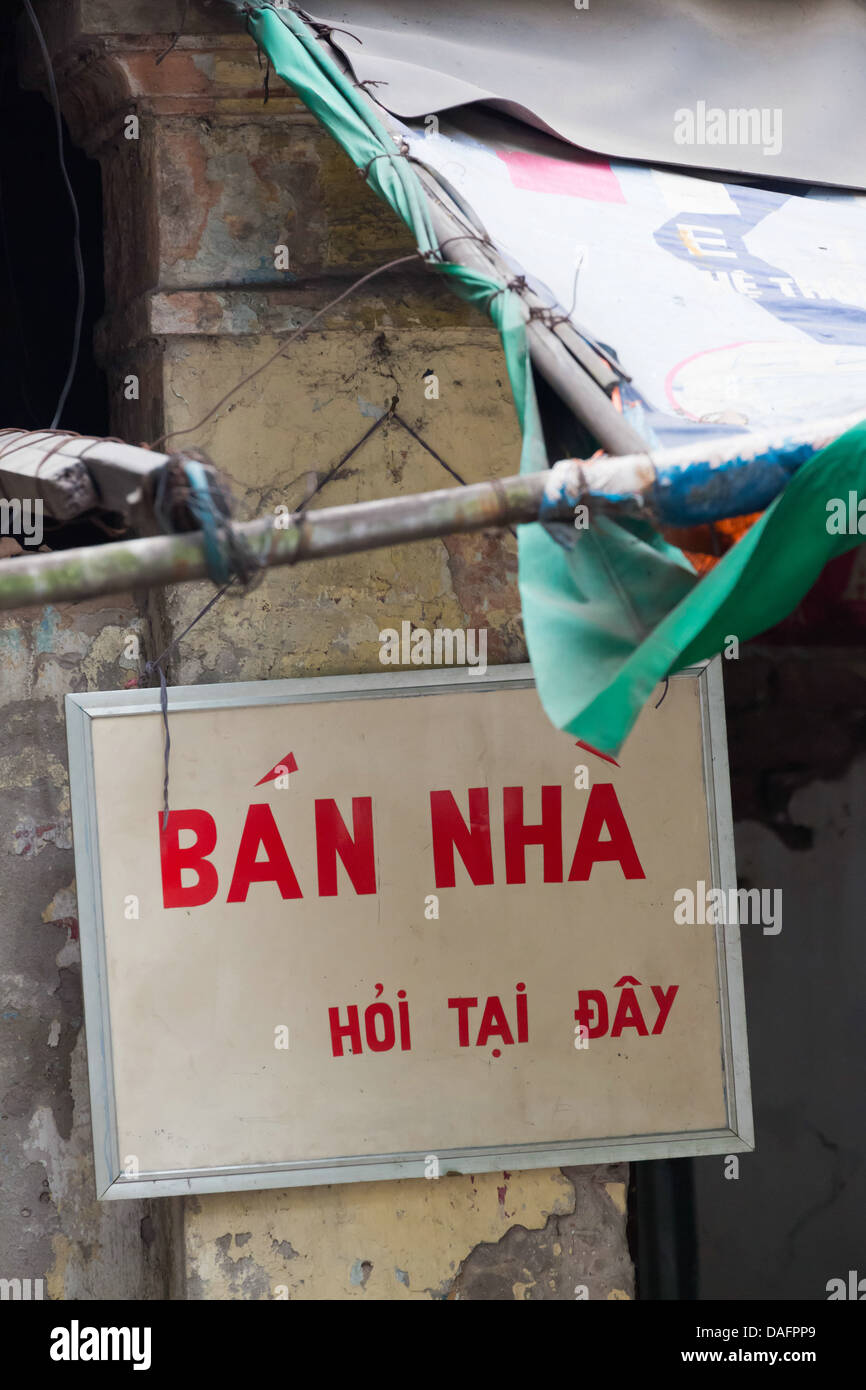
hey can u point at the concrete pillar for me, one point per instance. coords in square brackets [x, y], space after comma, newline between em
[195, 206]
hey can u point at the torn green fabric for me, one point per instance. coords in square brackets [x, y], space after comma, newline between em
[761, 579]
[606, 621]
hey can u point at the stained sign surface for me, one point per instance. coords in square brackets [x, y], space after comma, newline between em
[400, 926]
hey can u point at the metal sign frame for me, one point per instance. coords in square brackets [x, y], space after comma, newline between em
[82, 710]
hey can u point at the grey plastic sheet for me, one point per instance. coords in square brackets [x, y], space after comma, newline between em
[624, 77]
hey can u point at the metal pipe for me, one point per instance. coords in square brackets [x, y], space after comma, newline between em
[155, 560]
[655, 486]
[571, 382]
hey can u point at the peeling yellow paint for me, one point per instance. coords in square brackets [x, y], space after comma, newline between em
[617, 1294]
[310, 1240]
[62, 904]
[616, 1193]
[55, 1278]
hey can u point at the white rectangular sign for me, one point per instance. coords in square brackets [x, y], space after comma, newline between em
[400, 926]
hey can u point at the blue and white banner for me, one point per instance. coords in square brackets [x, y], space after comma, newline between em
[729, 306]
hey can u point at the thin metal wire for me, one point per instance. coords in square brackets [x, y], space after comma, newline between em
[438, 458]
[299, 332]
[377, 424]
[177, 36]
[386, 154]
[430, 450]
[150, 667]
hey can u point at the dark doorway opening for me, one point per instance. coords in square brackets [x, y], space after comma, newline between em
[38, 283]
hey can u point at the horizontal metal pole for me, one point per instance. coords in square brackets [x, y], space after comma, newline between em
[155, 560]
[664, 487]
[691, 484]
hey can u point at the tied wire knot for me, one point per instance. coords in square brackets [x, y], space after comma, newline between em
[323, 31]
[189, 495]
[548, 316]
[517, 284]
[403, 151]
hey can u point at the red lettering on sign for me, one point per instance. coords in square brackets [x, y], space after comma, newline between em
[451, 832]
[586, 1000]
[494, 1022]
[602, 809]
[403, 1012]
[522, 1014]
[463, 1006]
[174, 858]
[518, 836]
[665, 1000]
[388, 1038]
[282, 769]
[351, 1030]
[332, 838]
[260, 829]
[628, 1015]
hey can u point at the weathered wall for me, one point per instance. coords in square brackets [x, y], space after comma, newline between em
[501, 1236]
[194, 209]
[51, 1226]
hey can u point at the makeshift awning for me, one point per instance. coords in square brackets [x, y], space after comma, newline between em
[715, 307]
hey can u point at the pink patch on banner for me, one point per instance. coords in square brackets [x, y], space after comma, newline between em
[587, 178]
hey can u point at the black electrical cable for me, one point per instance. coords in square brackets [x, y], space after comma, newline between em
[76, 241]
[23, 362]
